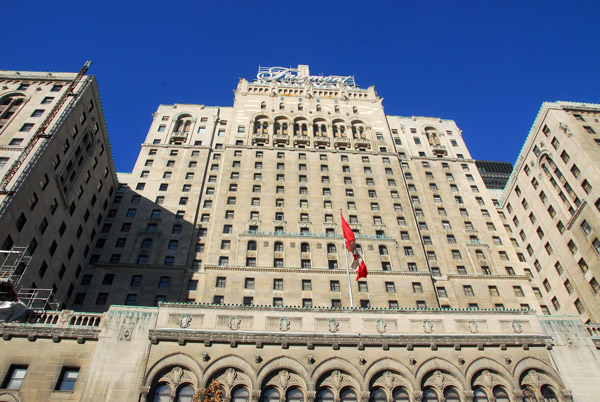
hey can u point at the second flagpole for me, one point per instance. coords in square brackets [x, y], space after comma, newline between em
[348, 268]
[348, 274]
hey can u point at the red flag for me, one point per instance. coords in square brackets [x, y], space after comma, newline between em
[361, 272]
[348, 234]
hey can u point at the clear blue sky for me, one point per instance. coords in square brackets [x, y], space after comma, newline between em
[487, 65]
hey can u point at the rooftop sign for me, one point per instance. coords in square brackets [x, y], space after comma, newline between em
[300, 75]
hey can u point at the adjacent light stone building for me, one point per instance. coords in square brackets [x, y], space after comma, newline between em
[220, 256]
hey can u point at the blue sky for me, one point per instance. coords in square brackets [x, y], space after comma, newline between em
[487, 65]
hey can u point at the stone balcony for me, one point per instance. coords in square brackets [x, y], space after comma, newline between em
[178, 137]
[281, 139]
[439, 150]
[260, 138]
[342, 142]
[362, 143]
[321, 140]
[301, 140]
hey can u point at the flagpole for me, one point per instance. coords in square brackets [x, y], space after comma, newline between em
[348, 274]
[347, 264]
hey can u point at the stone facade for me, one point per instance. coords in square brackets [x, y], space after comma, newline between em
[553, 205]
[126, 353]
[55, 203]
[225, 244]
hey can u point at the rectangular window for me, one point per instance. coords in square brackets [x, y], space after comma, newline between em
[68, 377]
[15, 377]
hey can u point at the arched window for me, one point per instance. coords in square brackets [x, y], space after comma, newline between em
[318, 108]
[336, 109]
[451, 395]
[479, 395]
[281, 107]
[383, 250]
[183, 124]
[263, 105]
[501, 395]
[294, 395]
[348, 395]
[162, 393]
[305, 248]
[378, 395]
[240, 395]
[271, 395]
[300, 107]
[548, 394]
[429, 395]
[355, 110]
[9, 106]
[251, 245]
[185, 394]
[147, 243]
[331, 249]
[401, 395]
[325, 395]
[278, 246]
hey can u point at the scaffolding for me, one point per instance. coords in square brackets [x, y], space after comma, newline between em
[14, 264]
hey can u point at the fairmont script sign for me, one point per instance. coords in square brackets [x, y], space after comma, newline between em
[300, 75]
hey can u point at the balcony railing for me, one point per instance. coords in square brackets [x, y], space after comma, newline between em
[321, 140]
[341, 142]
[362, 143]
[260, 138]
[281, 139]
[309, 234]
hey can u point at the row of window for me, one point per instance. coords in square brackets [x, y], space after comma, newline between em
[16, 375]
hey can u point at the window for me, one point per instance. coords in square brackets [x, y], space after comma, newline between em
[518, 291]
[278, 284]
[468, 289]
[68, 375]
[249, 283]
[334, 286]
[579, 306]
[136, 280]
[306, 284]
[15, 377]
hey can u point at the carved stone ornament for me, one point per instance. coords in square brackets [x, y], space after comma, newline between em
[535, 379]
[337, 380]
[387, 380]
[517, 326]
[65, 315]
[487, 380]
[284, 378]
[284, 324]
[185, 321]
[334, 325]
[176, 375]
[234, 323]
[565, 129]
[229, 376]
[381, 326]
[427, 326]
[125, 334]
[473, 327]
[439, 380]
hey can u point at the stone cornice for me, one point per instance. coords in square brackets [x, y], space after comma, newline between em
[32, 332]
[311, 340]
[347, 310]
[315, 271]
